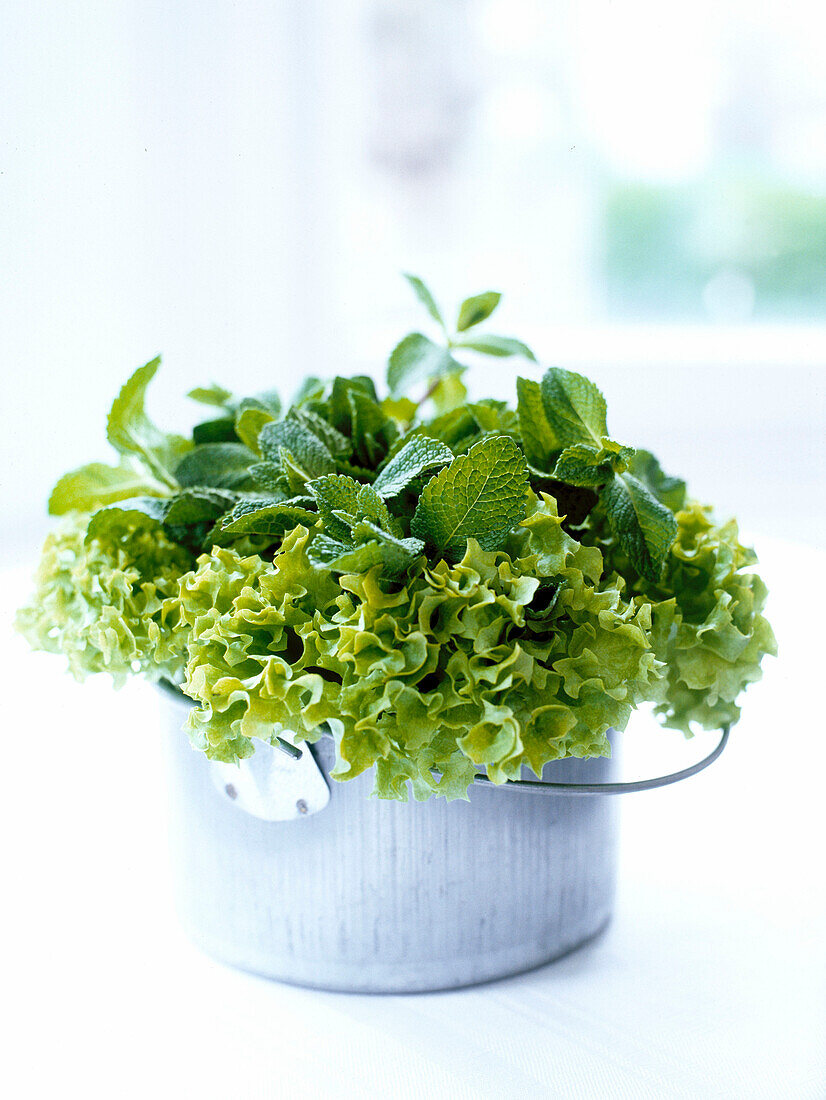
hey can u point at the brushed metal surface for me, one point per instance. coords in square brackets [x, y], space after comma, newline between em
[375, 896]
[272, 785]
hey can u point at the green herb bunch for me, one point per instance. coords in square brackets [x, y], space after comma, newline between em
[446, 586]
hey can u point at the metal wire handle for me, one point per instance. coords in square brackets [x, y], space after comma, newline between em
[541, 786]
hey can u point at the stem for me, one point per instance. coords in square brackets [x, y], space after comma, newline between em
[431, 389]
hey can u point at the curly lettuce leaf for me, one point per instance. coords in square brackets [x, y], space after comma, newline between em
[426, 683]
[103, 602]
[708, 629]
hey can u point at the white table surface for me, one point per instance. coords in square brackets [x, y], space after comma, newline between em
[711, 981]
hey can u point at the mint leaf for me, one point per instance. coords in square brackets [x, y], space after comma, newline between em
[372, 431]
[474, 310]
[253, 413]
[588, 467]
[359, 531]
[269, 477]
[415, 358]
[265, 399]
[96, 485]
[396, 554]
[670, 491]
[295, 476]
[305, 448]
[645, 528]
[402, 409]
[364, 383]
[575, 408]
[211, 395]
[262, 517]
[538, 437]
[579, 465]
[449, 392]
[377, 547]
[197, 506]
[339, 409]
[336, 493]
[249, 420]
[370, 506]
[220, 465]
[324, 550]
[181, 515]
[311, 389]
[418, 457]
[426, 298]
[131, 432]
[494, 416]
[336, 443]
[457, 428]
[220, 430]
[501, 346]
[343, 502]
[362, 533]
[481, 495]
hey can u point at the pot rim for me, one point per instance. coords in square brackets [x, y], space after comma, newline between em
[535, 786]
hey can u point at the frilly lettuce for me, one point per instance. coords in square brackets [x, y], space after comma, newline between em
[460, 668]
[101, 602]
[707, 628]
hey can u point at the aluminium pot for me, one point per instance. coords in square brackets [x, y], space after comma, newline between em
[374, 896]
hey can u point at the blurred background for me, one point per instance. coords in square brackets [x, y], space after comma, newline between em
[238, 186]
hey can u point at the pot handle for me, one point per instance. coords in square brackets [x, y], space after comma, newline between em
[541, 786]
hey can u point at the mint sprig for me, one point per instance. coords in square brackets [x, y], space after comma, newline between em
[359, 530]
[132, 433]
[418, 358]
[564, 430]
[379, 481]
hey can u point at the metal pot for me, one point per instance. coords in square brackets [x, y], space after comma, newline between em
[367, 895]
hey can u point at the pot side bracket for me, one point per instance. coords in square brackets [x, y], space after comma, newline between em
[273, 784]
